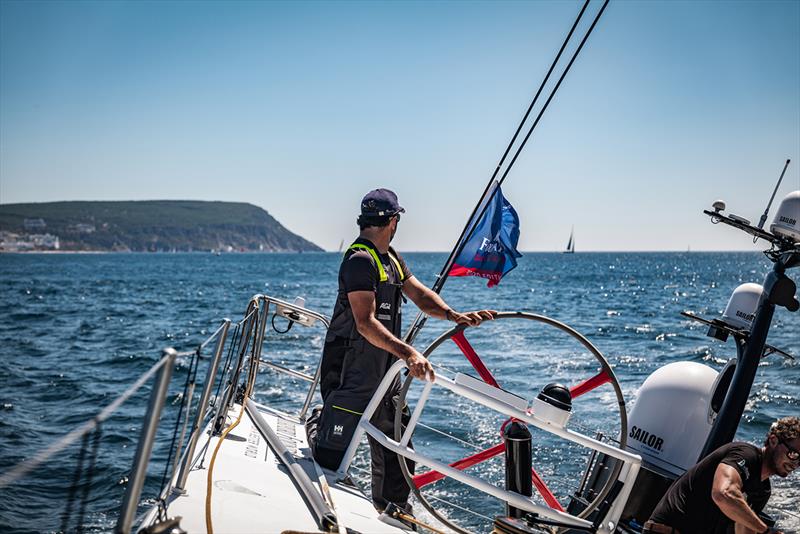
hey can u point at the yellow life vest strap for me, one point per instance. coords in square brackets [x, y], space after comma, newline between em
[381, 271]
[397, 264]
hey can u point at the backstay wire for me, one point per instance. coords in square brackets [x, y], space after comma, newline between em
[480, 208]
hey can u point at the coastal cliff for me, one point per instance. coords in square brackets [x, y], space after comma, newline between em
[145, 226]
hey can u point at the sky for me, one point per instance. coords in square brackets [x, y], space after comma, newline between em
[302, 107]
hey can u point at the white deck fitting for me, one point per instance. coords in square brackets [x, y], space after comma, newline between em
[252, 491]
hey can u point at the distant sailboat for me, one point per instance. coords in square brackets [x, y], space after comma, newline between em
[571, 242]
[341, 244]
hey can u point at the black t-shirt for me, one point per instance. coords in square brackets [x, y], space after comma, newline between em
[688, 506]
[357, 272]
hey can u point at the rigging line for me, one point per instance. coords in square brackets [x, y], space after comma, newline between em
[361, 469]
[213, 336]
[463, 509]
[516, 134]
[177, 422]
[420, 320]
[785, 511]
[443, 433]
[578, 425]
[555, 89]
[23, 468]
[98, 432]
[460, 245]
[174, 445]
[73, 487]
[246, 317]
[232, 347]
[190, 397]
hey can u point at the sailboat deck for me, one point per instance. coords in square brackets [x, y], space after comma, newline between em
[250, 483]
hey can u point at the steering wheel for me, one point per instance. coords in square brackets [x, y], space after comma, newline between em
[457, 335]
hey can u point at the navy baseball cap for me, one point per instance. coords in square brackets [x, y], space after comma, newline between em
[380, 203]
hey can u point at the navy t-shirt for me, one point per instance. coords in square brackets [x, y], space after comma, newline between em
[688, 507]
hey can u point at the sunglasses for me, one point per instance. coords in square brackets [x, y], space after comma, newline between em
[791, 452]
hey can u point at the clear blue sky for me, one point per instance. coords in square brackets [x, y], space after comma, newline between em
[302, 107]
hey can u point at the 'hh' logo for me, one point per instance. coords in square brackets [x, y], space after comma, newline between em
[386, 306]
[337, 430]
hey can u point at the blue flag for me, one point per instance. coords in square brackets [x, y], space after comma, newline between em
[490, 251]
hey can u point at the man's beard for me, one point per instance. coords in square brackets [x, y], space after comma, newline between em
[777, 467]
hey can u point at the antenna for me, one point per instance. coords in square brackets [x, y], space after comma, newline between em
[764, 216]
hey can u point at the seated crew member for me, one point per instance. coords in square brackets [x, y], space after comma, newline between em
[725, 491]
[363, 341]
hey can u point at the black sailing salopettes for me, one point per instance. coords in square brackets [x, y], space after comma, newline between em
[352, 368]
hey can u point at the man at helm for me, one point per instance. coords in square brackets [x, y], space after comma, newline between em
[363, 341]
[729, 487]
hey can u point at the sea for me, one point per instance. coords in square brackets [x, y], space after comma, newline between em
[78, 329]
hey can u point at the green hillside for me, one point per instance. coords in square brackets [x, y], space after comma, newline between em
[154, 225]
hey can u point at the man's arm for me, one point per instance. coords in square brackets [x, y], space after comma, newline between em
[726, 493]
[739, 529]
[362, 303]
[432, 304]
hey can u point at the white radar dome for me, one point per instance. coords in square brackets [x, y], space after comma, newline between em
[787, 217]
[741, 308]
[671, 418]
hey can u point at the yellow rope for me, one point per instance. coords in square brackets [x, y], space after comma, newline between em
[414, 520]
[209, 526]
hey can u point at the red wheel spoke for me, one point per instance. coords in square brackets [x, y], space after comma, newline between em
[589, 384]
[545, 492]
[460, 340]
[429, 477]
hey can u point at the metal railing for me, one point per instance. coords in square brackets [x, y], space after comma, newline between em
[493, 400]
[245, 353]
[296, 314]
[222, 335]
[162, 367]
[145, 445]
[160, 374]
[151, 420]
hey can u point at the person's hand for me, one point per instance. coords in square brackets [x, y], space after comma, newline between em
[420, 367]
[473, 318]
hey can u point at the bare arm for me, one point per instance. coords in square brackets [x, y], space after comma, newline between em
[740, 529]
[432, 304]
[362, 303]
[426, 300]
[726, 492]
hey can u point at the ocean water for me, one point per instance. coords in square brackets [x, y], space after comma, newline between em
[79, 328]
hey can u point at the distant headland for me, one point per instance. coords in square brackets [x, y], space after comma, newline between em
[145, 226]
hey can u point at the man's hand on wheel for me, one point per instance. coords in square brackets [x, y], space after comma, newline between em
[473, 318]
[419, 367]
